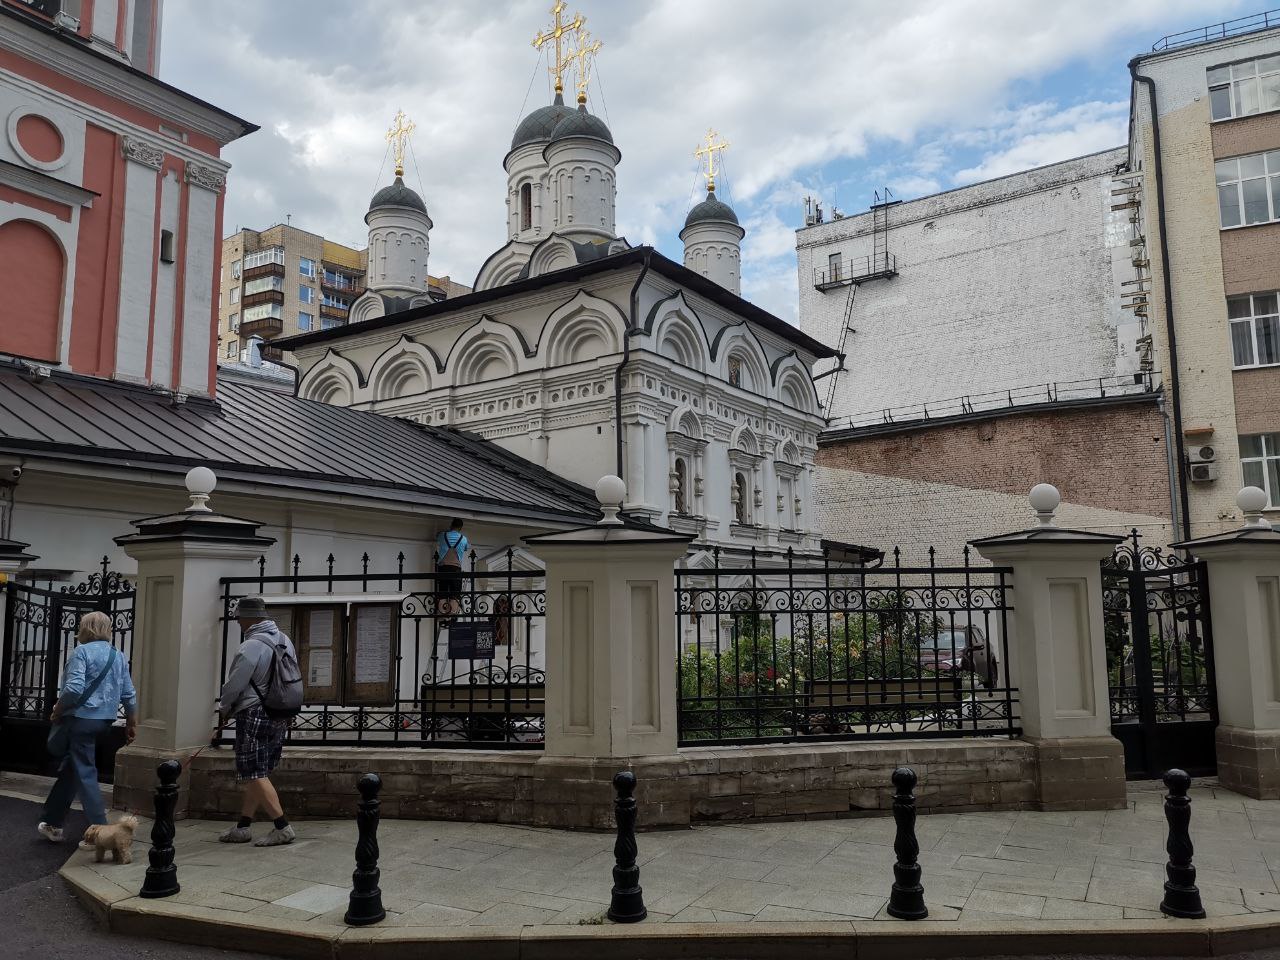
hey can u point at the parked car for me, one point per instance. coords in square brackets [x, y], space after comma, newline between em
[963, 649]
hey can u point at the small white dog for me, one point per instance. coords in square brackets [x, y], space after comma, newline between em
[116, 837]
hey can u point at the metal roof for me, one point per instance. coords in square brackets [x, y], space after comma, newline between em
[271, 437]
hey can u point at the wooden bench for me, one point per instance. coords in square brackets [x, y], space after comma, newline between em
[836, 704]
[479, 711]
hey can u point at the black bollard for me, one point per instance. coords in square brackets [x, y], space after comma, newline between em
[906, 899]
[162, 876]
[626, 903]
[365, 906]
[1181, 896]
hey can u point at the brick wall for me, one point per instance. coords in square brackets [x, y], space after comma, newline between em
[944, 485]
[1235, 138]
[1251, 259]
[1257, 400]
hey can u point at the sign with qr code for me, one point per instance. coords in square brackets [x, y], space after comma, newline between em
[473, 640]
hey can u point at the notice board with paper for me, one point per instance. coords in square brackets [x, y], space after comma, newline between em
[371, 654]
[318, 636]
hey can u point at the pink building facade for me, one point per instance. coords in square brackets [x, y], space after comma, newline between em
[111, 194]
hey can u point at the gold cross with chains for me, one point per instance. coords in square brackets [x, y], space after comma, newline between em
[556, 35]
[398, 137]
[583, 55]
[709, 150]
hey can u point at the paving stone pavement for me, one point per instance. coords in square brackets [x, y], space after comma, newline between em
[979, 866]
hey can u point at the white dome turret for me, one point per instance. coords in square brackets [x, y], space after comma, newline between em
[399, 241]
[712, 242]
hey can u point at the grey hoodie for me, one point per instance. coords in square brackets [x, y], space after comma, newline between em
[251, 666]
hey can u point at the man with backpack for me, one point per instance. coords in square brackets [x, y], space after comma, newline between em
[263, 691]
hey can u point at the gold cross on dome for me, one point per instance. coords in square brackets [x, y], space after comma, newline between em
[709, 150]
[556, 35]
[583, 56]
[398, 137]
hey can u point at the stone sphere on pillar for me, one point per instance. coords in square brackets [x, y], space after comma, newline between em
[1045, 499]
[201, 481]
[1252, 501]
[611, 491]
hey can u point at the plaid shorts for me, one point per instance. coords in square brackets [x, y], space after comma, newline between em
[259, 740]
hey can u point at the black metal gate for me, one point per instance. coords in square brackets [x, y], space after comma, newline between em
[1159, 660]
[39, 635]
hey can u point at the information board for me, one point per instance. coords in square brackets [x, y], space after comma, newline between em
[370, 661]
[472, 640]
[318, 636]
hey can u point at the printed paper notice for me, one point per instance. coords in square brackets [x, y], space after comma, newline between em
[320, 628]
[373, 645]
[320, 668]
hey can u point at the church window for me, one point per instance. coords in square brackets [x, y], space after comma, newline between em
[304, 320]
[306, 294]
[167, 254]
[740, 502]
[526, 206]
[679, 484]
[735, 371]
[306, 267]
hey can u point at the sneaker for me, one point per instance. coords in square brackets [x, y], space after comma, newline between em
[51, 833]
[277, 837]
[236, 835]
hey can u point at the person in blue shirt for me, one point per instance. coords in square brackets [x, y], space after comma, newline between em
[88, 718]
[451, 548]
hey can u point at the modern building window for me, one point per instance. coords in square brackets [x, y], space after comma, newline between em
[1260, 458]
[232, 349]
[526, 206]
[833, 266]
[1250, 86]
[1255, 330]
[335, 303]
[261, 258]
[328, 323]
[235, 270]
[304, 320]
[262, 311]
[262, 284]
[1249, 188]
[235, 294]
[306, 267]
[338, 280]
[306, 294]
[234, 322]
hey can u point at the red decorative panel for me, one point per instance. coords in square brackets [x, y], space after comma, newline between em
[32, 267]
[39, 138]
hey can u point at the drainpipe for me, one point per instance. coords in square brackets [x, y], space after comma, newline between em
[633, 329]
[1175, 392]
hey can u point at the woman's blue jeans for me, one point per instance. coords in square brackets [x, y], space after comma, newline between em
[78, 774]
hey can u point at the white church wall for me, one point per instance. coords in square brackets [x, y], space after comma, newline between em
[1002, 284]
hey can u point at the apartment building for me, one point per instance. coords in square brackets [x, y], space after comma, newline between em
[1204, 154]
[284, 280]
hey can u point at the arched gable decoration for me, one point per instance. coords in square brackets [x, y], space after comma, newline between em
[679, 334]
[789, 454]
[404, 369]
[487, 350]
[503, 266]
[794, 382]
[334, 380]
[368, 306]
[744, 439]
[740, 343]
[551, 254]
[582, 328]
[684, 421]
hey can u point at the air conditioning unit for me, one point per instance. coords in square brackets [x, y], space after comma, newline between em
[1202, 464]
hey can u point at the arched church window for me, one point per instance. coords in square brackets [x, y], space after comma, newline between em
[526, 206]
[679, 484]
[735, 371]
[740, 498]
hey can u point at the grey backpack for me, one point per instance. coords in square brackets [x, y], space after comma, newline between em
[282, 699]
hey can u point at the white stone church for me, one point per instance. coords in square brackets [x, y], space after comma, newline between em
[590, 356]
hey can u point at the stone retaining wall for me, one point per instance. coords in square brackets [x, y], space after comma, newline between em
[788, 781]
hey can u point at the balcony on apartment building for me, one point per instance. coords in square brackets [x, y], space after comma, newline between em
[264, 270]
[331, 279]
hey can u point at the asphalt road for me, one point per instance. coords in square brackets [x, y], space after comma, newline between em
[43, 920]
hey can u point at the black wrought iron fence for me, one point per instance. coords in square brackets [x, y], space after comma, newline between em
[408, 658]
[791, 651]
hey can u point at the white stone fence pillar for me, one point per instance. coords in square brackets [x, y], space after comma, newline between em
[1058, 657]
[1244, 606]
[611, 637]
[177, 635]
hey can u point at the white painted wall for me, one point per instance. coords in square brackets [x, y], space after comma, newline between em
[1002, 284]
[198, 332]
[166, 287]
[137, 266]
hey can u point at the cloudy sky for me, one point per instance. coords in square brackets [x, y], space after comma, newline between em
[832, 98]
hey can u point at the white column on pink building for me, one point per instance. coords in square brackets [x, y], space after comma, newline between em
[138, 256]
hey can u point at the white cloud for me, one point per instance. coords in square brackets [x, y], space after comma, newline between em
[1040, 134]
[798, 91]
